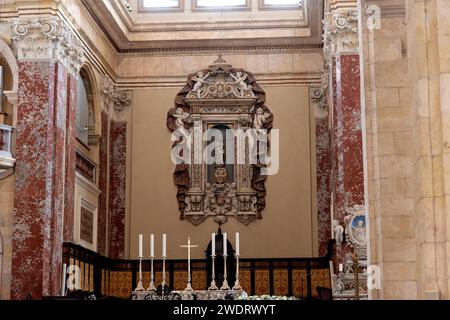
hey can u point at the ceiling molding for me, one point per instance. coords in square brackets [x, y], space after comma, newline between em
[307, 78]
[121, 31]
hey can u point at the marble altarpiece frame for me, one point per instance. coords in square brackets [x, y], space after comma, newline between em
[220, 97]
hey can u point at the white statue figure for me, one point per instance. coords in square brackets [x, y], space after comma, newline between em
[200, 80]
[260, 118]
[220, 152]
[180, 115]
[359, 232]
[338, 284]
[338, 232]
[240, 78]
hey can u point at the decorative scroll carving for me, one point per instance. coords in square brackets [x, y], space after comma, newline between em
[220, 94]
[340, 32]
[47, 38]
[113, 96]
[319, 101]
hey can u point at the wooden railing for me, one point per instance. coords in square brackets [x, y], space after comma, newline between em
[117, 278]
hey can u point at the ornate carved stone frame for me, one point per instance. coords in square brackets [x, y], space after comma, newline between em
[226, 96]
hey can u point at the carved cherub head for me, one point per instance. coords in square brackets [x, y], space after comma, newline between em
[260, 111]
[179, 110]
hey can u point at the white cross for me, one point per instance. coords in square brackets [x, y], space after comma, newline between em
[189, 246]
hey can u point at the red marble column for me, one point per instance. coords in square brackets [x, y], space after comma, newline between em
[323, 169]
[347, 144]
[117, 192]
[39, 197]
[103, 186]
[71, 140]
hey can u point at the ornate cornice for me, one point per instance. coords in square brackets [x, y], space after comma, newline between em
[341, 32]
[47, 39]
[116, 98]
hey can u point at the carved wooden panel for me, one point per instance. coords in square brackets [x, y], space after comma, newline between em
[262, 284]
[281, 282]
[299, 283]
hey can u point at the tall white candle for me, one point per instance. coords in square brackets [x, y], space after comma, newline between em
[140, 246]
[225, 244]
[213, 244]
[152, 246]
[238, 251]
[341, 267]
[164, 252]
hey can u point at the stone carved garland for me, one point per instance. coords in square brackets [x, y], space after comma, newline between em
[220, 94]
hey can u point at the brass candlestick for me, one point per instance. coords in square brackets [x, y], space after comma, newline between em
[237, 285]
[151, 287]
[213, 276]
[163, 284]
[225, 285]
[140, 286]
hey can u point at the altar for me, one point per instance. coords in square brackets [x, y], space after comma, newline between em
[194, 295]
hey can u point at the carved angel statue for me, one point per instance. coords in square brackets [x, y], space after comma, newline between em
[210, 198]
[338, 231]
[240, 78]
[180, 115]
[200, 80]
[338, 284]
[260, 118]
[232, 198]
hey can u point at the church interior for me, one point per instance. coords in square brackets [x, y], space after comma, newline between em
[108, 107]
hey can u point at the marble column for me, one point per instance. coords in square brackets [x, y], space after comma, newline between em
[344, 84]
[38, 216]
[117, 191]
[71, 140]
[117, 100]
[103, 186]
[323, 167]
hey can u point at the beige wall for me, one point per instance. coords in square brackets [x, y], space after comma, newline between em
[287, 224]
[407, 124]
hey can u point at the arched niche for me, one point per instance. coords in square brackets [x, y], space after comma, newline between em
[11, 80]
[87, 77]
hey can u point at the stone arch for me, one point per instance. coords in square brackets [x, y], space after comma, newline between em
[91, 84]
[10, 58]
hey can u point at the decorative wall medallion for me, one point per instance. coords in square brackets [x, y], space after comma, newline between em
[222, 98]
[356, 226]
